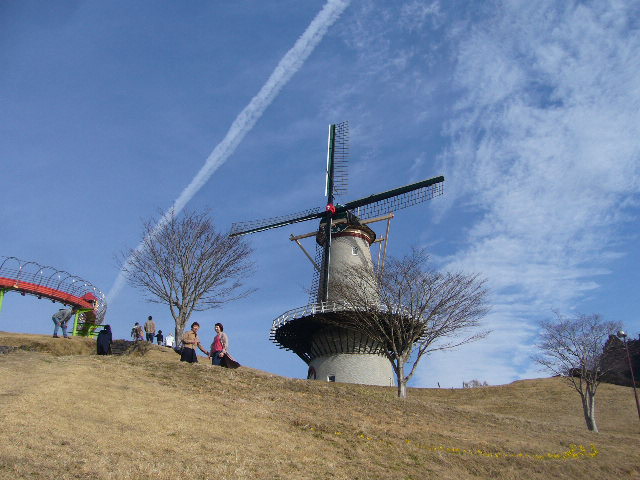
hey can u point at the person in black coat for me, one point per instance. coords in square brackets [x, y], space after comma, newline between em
[104, 341]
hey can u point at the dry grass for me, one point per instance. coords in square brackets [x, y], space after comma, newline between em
[54, 346]
[72, 415]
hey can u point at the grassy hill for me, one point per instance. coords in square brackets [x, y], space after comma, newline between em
[67, 414]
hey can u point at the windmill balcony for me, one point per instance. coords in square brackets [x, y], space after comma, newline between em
[334, 353]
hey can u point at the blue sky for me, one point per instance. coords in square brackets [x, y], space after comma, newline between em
[108, 110]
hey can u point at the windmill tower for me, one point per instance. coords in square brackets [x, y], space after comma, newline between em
[343, 239]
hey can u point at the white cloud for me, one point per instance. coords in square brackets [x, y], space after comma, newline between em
[414, 14]
[545, 150]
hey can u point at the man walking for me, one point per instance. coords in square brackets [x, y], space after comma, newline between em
[60, 320]
[150, 329]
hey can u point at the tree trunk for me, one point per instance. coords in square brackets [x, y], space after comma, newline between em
[589, 410]
[180, 324]
[401, 380]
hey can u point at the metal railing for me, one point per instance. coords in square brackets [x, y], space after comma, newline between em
[331, 307]
[29, 272]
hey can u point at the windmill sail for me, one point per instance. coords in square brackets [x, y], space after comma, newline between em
[337, 181]
[367, 207]
[329, 192]
[253, 226]
[315, 281]
[396, 199]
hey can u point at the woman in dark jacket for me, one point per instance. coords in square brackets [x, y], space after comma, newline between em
[104, 341]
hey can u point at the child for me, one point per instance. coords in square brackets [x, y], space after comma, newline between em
[159, 337]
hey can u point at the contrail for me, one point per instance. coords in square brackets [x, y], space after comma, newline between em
[244, 122]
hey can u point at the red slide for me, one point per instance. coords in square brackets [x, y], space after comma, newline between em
[31, 278]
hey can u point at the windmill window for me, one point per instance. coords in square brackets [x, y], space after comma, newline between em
[354, 251]
[331, 378]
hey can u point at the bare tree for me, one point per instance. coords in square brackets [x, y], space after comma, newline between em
[184, 262]
[411, 310]
[574, 348]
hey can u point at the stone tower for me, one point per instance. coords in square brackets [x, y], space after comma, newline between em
[334, 353]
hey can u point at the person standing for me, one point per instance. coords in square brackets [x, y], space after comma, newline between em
[103, 342]
[159, 337]
[169, 341]
[190, 340]
[60, 320]
[220, 349]
[136, 332]
[150, 329]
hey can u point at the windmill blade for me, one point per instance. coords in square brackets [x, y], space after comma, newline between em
[340, 157]
[337, 180]
[253, 226]
[314, 288]
[396, 199]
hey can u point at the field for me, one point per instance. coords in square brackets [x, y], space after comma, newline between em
[68, 414]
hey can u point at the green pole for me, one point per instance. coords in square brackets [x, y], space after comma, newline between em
[86, 329]
[1, 298]
[75, 324]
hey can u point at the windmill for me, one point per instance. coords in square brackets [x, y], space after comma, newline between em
[343, 237]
